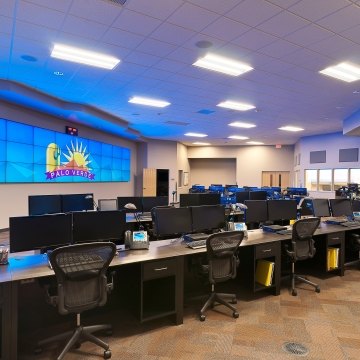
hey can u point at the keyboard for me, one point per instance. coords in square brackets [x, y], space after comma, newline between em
[195, 237]
[285, 232]
[350, 223]
[197, 244]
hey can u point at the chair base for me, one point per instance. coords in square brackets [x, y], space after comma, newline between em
[80, 333]
[221, 299]
[295, 277]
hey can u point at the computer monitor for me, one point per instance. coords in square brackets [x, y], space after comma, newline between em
[320, 207]
[44, 204]
[77, 202]
[207, 218]
[149, 202]
[189, 200]
[172, 221]
[282, 210]
[209, 199]
[256, 211]
[91, 226]
[40, 232]
[355, 205]
[307, 207]
[241, 196]
[123, 200]
[341, 207]
[258, 195]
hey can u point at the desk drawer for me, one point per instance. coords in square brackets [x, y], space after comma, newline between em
[265, 250]
[335, 238]
[159, 269]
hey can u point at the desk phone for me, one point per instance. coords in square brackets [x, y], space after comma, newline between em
[137, 239]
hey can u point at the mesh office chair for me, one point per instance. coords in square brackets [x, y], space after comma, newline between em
[302, 248]
[81, 285]
[222, 266]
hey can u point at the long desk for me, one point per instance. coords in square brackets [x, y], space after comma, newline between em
[163, 262]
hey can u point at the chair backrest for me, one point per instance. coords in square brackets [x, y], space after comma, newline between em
[302, 241]
[107, 204]
[81, 275]
[221, 251]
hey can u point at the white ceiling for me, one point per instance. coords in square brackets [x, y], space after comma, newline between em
[286, 41]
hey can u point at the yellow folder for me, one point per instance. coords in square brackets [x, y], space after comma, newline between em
[264, 272]
[332, 258]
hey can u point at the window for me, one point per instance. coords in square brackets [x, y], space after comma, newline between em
[325, 180]
[340, 178]
[311, 180]
[355, 176]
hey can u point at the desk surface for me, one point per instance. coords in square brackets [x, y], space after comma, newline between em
[25, 266]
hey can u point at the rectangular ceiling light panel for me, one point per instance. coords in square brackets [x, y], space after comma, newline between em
[149, 102]
[236, 105]
[343, 71]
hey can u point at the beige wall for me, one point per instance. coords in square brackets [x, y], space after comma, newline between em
[182, 164]
[250, 160]
[14, 197]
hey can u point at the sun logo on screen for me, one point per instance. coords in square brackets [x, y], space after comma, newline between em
[77, 157]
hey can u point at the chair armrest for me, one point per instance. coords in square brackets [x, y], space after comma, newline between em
[110, 285]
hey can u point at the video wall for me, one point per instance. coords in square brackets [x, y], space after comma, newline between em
[29, 154]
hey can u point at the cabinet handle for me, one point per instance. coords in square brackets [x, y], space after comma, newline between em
[267, 250]
[161, 269]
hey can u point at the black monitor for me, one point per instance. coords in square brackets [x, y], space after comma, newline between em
[189, 199]
[99, 226]
[256, 211]
[44, 204]
[77, 202]
[282, 209]
[257, 195]
[307, 207]
[149, 202]
[172, 221]
[40, 232]
[356, 205]
[320, 207]
[341, 207]
[241, 196]
[207, 218]
[123, 200]
[209, 199]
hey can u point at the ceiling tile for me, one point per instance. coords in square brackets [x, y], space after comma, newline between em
[283, 24]
[318, 9]
[309, 35]
[141, 58]
[6, 24]
[225, 29]
[130, 20]
[62, 5]
[122, 38]
[84, 28]
[198, 20]
[220, 7]
[169, 65]
[283, 3]
[172, 34]
[40, 15]
[253, 12]
[255, 39]
[352, 34]
[160, 9]
[103, 12]
[279, 48]
[342, 20]
[308, 59]
[155, 47]
[7, 8]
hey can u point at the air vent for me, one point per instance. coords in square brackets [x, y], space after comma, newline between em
[179, 123]
[206, 111]
[117, 2]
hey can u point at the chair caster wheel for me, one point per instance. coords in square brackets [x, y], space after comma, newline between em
[38, 350]
[317, 289]
[107, 354]
[294, 293]
[202, 317]
[235, 314]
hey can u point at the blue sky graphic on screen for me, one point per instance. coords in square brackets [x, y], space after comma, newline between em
[32, 154]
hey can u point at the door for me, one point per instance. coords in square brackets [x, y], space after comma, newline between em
[149, 182]
[275, 178]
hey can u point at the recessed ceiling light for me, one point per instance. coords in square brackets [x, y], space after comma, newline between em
[82, 56]
[237, 137]
[242, 125]
[200, 143]
[343, 71]
[58, 73]
[223, 65]
[255, 143]
[29, 58]
[147, 101]
[291, 128]
[195, 134]
[204, 44]
[236, 105]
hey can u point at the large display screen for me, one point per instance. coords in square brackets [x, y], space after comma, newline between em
[31, 154]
